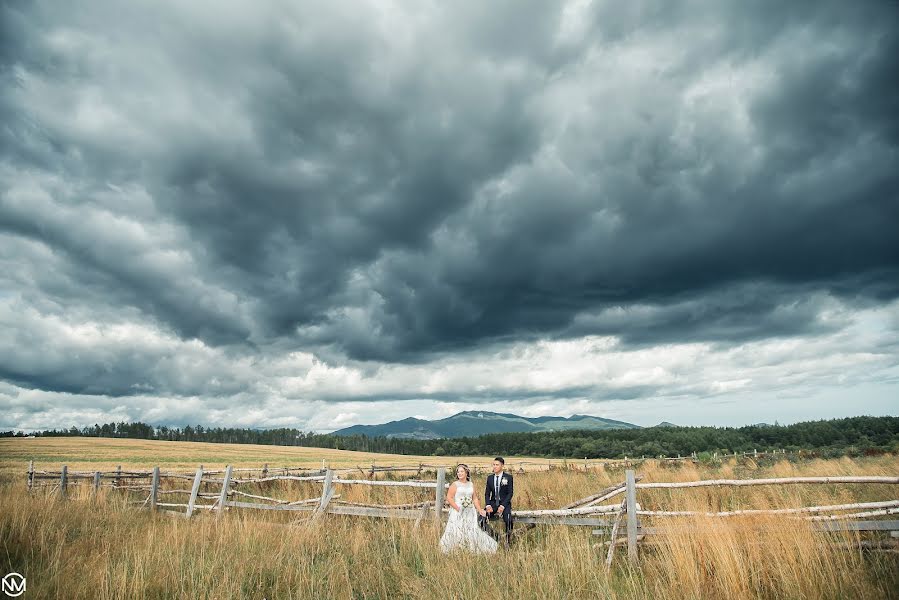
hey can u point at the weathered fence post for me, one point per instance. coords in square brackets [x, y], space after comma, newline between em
[439, 495]
[613, 539]
[154, 489]
[30, 474]
[118, 475]
[223, 499]
[96, 485]
[265, 470]
[631, 500]
[327, 493]
[327, 490]
[193, 492]
[63, 480]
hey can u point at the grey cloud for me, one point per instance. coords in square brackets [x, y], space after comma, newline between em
[731, 315]
[396, 187]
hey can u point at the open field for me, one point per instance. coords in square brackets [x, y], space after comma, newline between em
[76, 549]
[99, 454]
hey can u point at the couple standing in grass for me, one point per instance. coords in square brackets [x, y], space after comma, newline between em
[468, 524]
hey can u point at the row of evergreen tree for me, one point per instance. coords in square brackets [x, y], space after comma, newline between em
[838, 436]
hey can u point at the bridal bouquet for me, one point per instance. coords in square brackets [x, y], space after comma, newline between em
[466, 502]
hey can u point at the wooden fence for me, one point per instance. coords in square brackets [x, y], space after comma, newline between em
[587, 511]
[829, 518]
[420, 469]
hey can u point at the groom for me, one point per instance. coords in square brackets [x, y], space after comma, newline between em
[498, 498]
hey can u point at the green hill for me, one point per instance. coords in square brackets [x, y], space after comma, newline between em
[479, 422]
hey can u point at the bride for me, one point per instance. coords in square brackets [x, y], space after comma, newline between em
[462, 529]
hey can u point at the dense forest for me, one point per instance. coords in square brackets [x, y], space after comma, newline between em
[856, 435]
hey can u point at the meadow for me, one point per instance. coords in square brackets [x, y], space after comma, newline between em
[81, 548]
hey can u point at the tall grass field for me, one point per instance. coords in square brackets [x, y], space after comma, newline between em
[104, 548]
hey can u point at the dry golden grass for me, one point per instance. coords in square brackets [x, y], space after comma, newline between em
[85, 549]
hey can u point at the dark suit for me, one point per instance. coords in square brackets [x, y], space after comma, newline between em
[496, 496]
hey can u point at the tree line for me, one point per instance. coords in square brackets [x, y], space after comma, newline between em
[854, 435]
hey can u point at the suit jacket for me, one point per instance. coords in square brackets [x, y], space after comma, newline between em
[504, 498]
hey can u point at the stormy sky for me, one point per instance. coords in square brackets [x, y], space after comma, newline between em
[320, 214]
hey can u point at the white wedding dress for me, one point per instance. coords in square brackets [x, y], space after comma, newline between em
[462, 529]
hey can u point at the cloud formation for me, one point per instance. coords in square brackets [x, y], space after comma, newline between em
[306, 209]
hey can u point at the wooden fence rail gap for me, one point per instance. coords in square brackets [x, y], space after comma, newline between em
[772, 511]
[422, 514]
[770, 481]
[603, 495]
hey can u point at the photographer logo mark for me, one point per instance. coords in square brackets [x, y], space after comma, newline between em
[13, 585]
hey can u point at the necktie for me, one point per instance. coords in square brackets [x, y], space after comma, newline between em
[496, 486]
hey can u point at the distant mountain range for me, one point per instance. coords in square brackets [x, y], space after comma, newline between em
[479, 422]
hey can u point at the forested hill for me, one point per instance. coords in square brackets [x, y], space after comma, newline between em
[837, 436]
[480, 422]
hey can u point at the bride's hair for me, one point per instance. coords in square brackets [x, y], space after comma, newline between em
[467, 471]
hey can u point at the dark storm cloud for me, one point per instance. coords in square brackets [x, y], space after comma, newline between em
[806, 199]
[395, 187]
[734, 313]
